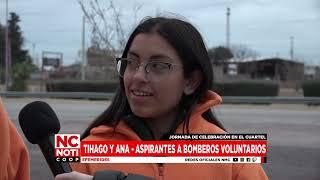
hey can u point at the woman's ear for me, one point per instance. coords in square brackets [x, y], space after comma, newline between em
[193, 82]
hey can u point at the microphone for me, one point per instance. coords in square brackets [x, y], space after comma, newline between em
[39, 123]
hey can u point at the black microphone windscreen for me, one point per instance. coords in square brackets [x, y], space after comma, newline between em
[38, 121]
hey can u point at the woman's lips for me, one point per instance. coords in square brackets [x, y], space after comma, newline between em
[140, 97]
[141, 93]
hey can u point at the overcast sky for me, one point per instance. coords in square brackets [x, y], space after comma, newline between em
[263, 25]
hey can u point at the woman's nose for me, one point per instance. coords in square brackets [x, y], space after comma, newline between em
[140, 74]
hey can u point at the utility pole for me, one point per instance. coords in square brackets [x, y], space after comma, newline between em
[228, 28]
[291, 47]
[83, 64]
[33, 54]
[7, 53]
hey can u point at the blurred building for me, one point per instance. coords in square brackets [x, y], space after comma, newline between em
[285, 72]
[100, 66]
[275, 69]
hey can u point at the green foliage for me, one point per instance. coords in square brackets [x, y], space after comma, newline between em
[18, 55]
[311, 88]
[20, 59]
[246, 89]
[82, 86]
[2, 54]
[2, 47]
[21, 72]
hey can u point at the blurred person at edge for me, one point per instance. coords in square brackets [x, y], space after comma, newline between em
[165, 81]
[14, 157]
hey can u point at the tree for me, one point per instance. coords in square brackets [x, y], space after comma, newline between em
[2, 54]
[219, 54]
[18, 55]
[242, 52]
[20, 59]
[107, 24]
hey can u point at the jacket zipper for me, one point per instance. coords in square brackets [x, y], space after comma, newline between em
[160, 167]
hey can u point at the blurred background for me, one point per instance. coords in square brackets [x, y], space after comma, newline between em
[265, 55]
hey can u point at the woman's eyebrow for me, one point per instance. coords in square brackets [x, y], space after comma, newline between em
[156, 56]
[133, 54]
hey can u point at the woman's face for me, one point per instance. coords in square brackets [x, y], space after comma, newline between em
[156, 93]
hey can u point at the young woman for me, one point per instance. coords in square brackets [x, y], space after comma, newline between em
[165, 81]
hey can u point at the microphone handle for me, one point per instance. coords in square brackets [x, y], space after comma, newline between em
[47, 149]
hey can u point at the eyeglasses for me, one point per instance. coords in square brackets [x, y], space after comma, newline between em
[155, 70]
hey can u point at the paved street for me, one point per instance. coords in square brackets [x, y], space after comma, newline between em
[293, 132]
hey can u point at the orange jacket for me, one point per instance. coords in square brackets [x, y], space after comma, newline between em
[14, 158]
[198, 125]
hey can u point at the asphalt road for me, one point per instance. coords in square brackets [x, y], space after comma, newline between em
[293, 132]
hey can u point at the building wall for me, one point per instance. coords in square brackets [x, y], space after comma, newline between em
[295, 74]
[218, 73]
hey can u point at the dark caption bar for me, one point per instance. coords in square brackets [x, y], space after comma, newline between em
[218, 137]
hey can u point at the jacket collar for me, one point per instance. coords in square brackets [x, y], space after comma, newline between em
[210, 100]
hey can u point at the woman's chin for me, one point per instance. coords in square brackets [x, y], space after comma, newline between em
[142, 113]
